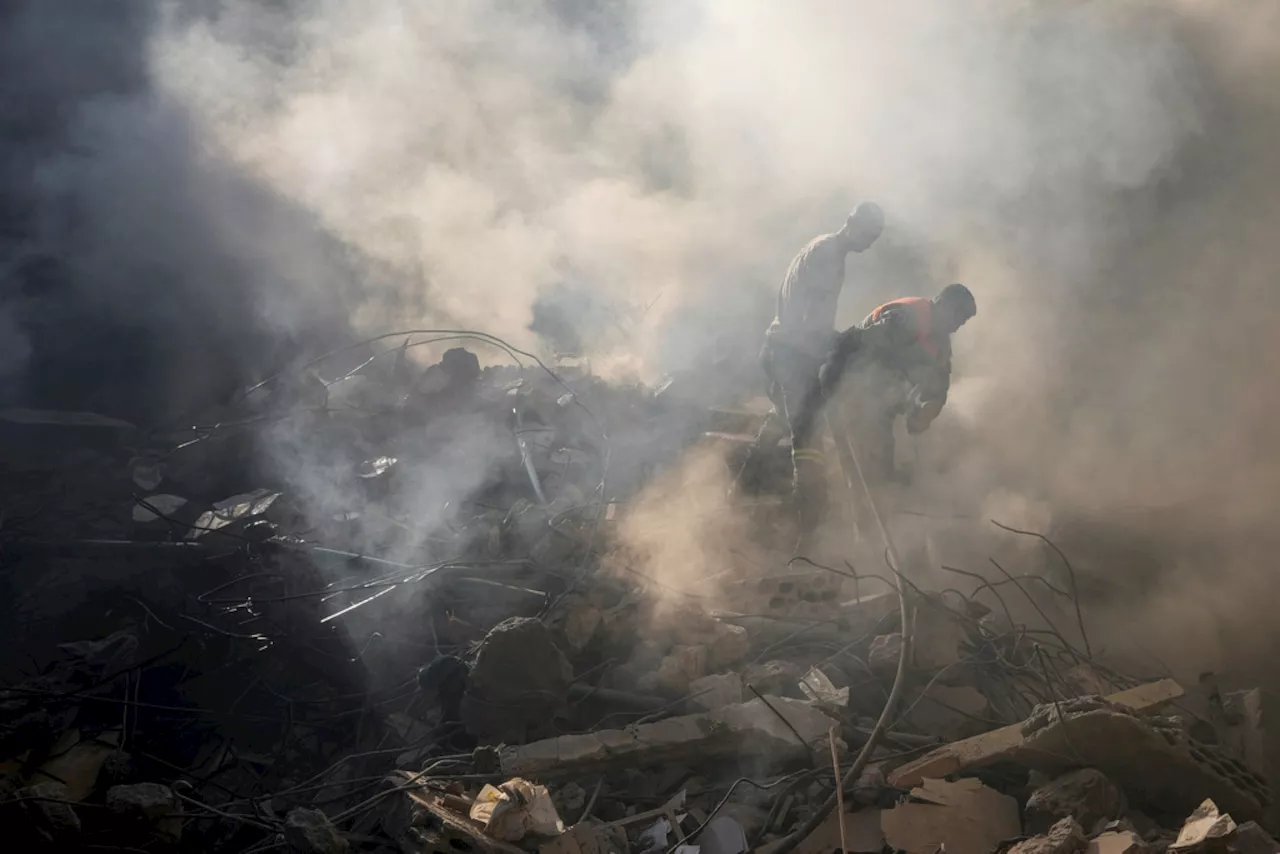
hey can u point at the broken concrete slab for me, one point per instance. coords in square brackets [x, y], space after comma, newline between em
[77, 761]
[677, 671]
[1086, 794]
[1152, 764]
[1206, 825]
[1065, 837]
[1117, 842]
[999, 745]
[774, 678]
[716, 690]
[965, 816]
[1152, 760]
[724, 731]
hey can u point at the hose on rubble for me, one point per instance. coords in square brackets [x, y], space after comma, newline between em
[907, 614]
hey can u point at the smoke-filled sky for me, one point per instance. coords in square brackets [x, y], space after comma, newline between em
[1102, 174]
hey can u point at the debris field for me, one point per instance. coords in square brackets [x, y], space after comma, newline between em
[211, 654]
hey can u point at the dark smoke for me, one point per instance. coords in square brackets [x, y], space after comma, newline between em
[143, 275]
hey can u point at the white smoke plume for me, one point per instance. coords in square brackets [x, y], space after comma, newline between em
[1101, 174]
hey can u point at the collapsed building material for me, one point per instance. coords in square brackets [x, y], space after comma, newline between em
[1117, 842]
[1151, 760]
[52, 817]
[863, 834]
[774, 678]
[1087, 795]
[769, 727]
[965, 817]
[1253, 734]
[435, 822]
[1204, 826]
[309, 831]
[1065, 837]
[520, 679]
[149, 803]
[1250, 838]
[715, 691]
[1003, 744]
[516, 809]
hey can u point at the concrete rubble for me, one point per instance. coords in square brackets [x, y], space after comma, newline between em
[249, 672]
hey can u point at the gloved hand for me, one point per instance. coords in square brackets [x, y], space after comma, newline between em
[921, 415]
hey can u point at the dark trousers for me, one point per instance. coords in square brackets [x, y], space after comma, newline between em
[797, 398]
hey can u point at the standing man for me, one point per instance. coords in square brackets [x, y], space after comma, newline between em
[797, 343]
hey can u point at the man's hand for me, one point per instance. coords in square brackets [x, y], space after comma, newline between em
[921, 416]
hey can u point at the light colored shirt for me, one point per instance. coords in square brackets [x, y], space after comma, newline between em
[807, 300]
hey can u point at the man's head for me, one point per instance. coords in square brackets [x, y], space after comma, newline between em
[952, 307]
[863, 226]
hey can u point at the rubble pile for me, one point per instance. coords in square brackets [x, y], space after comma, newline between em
[393, 663]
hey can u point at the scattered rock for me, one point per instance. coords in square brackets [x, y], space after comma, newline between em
[1086, 795]
[577, 620]
[869, 786]
[1204, 829]
[570, 800]
[1117, 842]
[716, 690]
[148, 802]
[678, 670]
[937, 640]
[775, 678]
[1251, 839]
[520, 680]
[148, 799]
[884, 653]
[308, 831]
[52, 818]
[1065, 837]
[729, 645]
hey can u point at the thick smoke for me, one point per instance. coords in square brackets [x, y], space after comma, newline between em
[1102, 174]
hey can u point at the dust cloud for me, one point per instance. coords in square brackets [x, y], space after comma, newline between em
[1101, 174]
